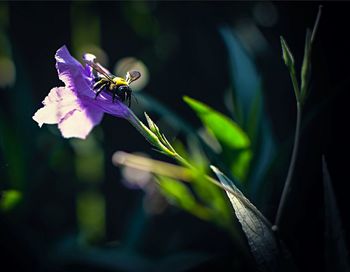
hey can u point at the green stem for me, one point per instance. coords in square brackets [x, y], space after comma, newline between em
[153, 140]
[148, 134]
[316, 23]
[295, 84]
[241, 198]
[145, 131]
[287, 184]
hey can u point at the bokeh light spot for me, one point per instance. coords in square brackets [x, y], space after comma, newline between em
[265, 14]
[135, 178]
[128, 64]
[101, 56]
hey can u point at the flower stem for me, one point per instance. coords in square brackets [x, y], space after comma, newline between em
[148, 134]
[153, 139]
[135, 121]
[295, 84]
[242, 199]
[289, 178]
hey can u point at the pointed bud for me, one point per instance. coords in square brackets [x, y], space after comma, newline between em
[287, 54]
[289, 61]
[306, 67]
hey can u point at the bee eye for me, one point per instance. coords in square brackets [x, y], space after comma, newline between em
[124, 88]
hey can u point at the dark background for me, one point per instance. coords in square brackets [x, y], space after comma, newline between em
[37, 235]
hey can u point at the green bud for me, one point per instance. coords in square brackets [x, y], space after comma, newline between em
[287, 55]
[289, 61]
[158, 139]
[152, 126]
[306, 67]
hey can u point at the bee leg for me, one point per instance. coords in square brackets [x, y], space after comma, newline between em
[99, 90]
[113, 97]
[98, 84]
[128, 97]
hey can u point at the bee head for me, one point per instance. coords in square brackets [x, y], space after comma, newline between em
[124, 89]
[124, 93]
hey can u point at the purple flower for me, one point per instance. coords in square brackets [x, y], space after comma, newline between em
[74, 107]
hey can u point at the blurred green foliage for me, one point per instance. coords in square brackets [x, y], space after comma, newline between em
[179, 194]
[9, 199]
[63, 203]
[91, 216]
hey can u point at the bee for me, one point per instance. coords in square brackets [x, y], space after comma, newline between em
[117, 86]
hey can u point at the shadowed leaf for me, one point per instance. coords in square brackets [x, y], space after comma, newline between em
[257, 229]
[337, 259]
[248, 107]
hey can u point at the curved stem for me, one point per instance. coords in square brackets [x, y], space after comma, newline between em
[152, 139]
[295, 84]
[227, 189]
[148, 134]
[287, 184]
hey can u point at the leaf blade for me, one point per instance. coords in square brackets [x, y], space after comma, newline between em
[223, 128]
[261, 239]
[335, 247]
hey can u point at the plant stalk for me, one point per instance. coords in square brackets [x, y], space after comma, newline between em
[153, 140]
[289, 178]
[229, 190]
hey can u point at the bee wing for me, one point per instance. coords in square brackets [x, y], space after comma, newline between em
[98, 67]
[132, 76]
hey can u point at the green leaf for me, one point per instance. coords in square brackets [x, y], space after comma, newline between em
[223, 128]
[249, 112]
[261, 239]
[180, 195]
[210, 195]
[245, 79]
[336, 253]
[240, 166]
[235, 141]
[263, 157]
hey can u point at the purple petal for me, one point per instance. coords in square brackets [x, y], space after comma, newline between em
[75, 107]
[88, 69]
[89, 57]
[105, 103]
[59, 102]
[72, 73]
[91, 60]
[79, 123]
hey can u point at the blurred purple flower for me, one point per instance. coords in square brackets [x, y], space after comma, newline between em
[74, 107]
